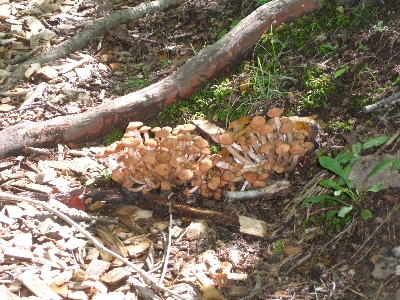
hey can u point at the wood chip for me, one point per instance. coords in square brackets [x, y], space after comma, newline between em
[6, 294]
[115, 276]
[96, 268]
[252, 226]
[37, 286]
[111, 241]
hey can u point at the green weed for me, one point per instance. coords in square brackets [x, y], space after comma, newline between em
[213, 102]
[279, 247]
[113, 136]
[318, 87]
[343, 192]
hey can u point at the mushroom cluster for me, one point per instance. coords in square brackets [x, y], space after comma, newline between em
[157, 158]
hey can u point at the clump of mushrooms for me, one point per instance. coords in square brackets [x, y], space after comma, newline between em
[157, 158]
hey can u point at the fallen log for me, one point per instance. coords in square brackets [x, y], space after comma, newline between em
[191, 76]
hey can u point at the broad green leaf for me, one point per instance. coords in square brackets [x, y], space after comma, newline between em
[234, 23]
[330, 184]
[314, 199]
[376, 187]
[396, 165]
[356, 149]
[339, 72]
[366, 214]
[343, 157]
[330, 214]
[222, 33]
[332, 165]
[375, 142]
[337, 193]
[380, 167]
[344, 210]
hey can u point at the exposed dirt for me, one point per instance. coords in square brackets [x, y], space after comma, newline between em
[303, 256]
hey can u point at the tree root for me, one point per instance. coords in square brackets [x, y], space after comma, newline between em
[118, 113]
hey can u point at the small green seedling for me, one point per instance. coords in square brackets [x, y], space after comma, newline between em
[342, 69]
[343, 189]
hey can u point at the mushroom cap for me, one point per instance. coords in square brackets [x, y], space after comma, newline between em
[149, 158]
[278, 168]
[308, 145]
[185, 175]
[134, 125]
[163, 156]
[205, 151]
[226, 138]
[287, 127]
[275, 112]
[165, 185]
[130, 160]
[250, 176]
[259, 183]
[200, 142]
[155, 129]
[214, 183]
[163, 132]
[228, 176]
[162, 169]
[151, 143]
[184, 137]
[144, 129]
[257, 123]
[127, 183]
[192, 149]
[265, 148]
[170, 142]
[263, 175]
[282, 148]
[177, 160]
[192, 165]
[205, 164]
[251, 140]
[119, 174]
[188, 127]
[266, 129]
[296, 149]
[245, 147]
[113, 148]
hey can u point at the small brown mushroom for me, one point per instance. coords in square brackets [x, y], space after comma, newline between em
[275, 113]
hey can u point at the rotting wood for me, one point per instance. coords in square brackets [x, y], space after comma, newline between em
[178, 86]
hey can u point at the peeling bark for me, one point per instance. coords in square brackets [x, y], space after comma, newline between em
[206, 64]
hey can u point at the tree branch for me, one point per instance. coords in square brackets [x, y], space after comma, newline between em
[118, 113]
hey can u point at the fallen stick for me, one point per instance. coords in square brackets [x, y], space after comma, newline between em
[372, 107]
[255, 194]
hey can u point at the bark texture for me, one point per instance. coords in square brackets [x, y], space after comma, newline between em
[192, 75]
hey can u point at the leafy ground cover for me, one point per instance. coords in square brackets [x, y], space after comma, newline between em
[331, 63]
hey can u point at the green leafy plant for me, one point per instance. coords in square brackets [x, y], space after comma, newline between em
[279, 247]
[328, 48]
[343, 191]
[342, 69]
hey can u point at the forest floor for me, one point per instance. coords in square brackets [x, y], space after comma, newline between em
[306, 69]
